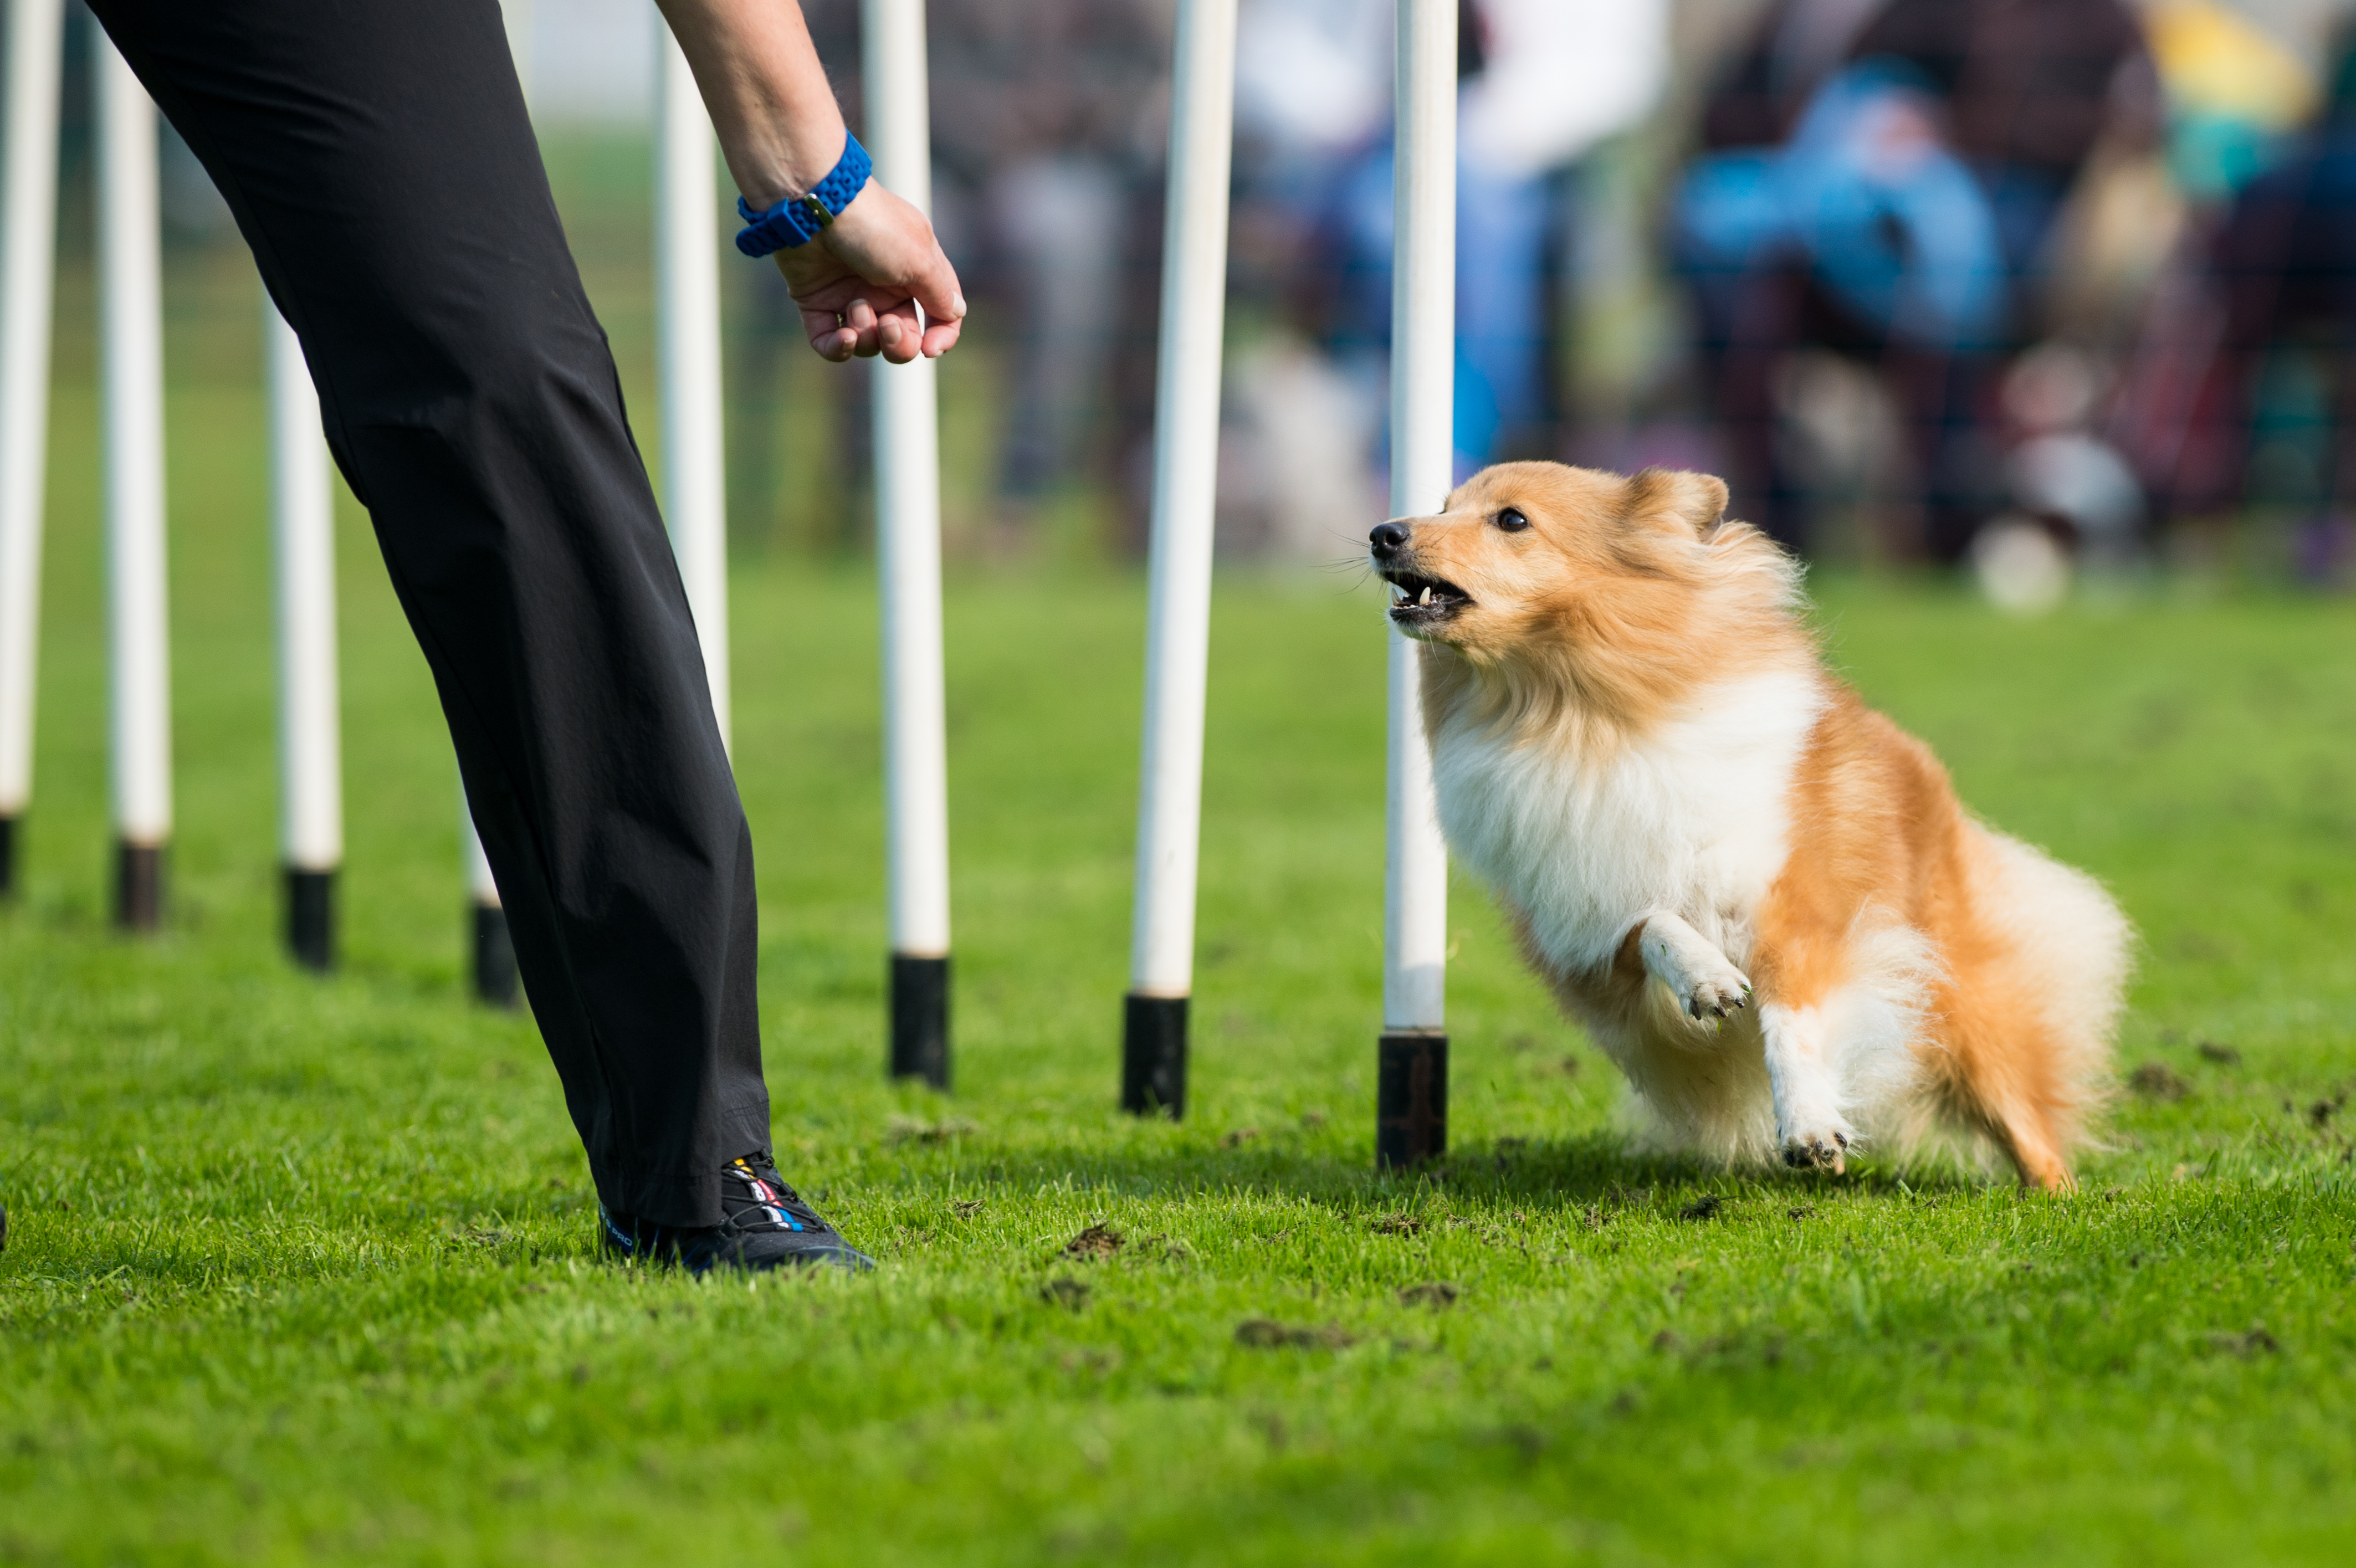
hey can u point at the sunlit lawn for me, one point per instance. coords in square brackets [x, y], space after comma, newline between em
[303, 1270]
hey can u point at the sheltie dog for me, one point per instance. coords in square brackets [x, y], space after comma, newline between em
[1761, 898]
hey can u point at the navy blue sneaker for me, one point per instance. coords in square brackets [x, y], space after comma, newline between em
[766, 1225]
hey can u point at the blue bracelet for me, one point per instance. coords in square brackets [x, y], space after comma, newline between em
[797, 219]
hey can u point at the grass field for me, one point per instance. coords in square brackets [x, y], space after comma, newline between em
[303, 1271]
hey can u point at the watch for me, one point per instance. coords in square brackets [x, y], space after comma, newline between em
[797, 219]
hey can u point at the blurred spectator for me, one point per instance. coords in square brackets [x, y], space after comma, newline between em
[1541, 83]
[2283, 268]
[2235, 93]
[1882, 182]
[1051, 124]
[1049, 120]
[1313, 90]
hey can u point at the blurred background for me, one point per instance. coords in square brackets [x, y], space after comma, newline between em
[2056, 293]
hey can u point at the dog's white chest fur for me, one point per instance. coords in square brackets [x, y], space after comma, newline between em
[1693, 818]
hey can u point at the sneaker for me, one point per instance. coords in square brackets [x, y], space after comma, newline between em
[767, 1225]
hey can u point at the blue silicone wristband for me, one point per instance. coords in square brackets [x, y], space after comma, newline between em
[797, 219]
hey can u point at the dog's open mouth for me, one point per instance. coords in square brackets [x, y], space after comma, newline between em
[1423, 601]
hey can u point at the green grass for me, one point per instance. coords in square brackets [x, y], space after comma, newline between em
[302, 1270]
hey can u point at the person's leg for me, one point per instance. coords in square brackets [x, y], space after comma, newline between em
[1732, 245]
[2254, 282]
[380, 162]
[1944, 397]
[2326, 546]
[1752, 320]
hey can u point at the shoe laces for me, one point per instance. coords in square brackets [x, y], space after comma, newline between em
[756, 1199]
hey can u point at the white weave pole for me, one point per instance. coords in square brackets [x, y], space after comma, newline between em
[491, 960]
[131, 345]
[1411, 1092]
[28, 215]
[1178, 626]
[908, 561]
[310, 724]
[687, 317]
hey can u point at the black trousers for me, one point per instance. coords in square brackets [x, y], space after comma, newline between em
[377, 157]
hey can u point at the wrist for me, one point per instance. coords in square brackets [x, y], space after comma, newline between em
[790, 169]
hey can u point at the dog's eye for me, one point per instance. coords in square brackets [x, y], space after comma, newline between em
[1511, 521]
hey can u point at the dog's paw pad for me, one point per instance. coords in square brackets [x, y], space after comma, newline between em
[1826, 1151]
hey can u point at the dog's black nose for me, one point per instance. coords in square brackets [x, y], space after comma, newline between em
[1387, 539]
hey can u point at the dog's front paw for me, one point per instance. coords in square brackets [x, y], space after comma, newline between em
[1718, 990]
[1825, 1149]
[1697, 974]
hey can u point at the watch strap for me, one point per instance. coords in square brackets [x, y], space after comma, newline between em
[797, 219]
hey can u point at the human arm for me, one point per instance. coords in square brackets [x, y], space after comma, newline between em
[861, 283]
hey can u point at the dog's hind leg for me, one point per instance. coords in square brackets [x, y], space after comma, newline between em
[1704, 983]
[2035, 1153]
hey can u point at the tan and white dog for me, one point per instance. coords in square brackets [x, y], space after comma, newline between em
[1637, 745]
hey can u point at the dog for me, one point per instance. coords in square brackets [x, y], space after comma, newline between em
[1760, 897]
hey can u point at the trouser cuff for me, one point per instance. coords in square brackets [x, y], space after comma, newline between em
[688, 1199]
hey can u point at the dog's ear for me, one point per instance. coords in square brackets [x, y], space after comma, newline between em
[1695, 503]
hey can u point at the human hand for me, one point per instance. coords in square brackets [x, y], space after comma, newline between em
[861, 283]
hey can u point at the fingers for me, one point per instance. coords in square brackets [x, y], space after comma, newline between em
[895, 339]
[897, 333]
[854, 332]
[940, 336]
[832, 341]
[901, 334]
[935, 286]
[860, 320]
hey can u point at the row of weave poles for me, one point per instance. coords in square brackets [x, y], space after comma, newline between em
[1413, 1046]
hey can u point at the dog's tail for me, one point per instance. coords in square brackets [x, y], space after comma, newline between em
[2031, 1042]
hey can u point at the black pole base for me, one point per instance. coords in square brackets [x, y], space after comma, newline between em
[138, 885]
[920, 1018]
[1410, 1098]
[494, 964]
[1153, 1056]
[8, 858]
[311, 918]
